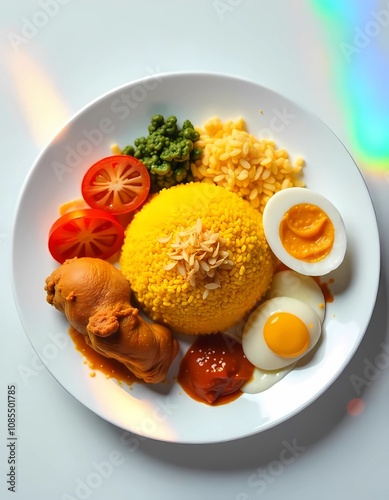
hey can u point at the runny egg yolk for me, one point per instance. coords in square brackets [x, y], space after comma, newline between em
[307, 232]
[286, 334]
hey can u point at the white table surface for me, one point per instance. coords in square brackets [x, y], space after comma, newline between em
[68, 52]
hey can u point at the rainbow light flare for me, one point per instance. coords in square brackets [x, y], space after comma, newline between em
[358, 34]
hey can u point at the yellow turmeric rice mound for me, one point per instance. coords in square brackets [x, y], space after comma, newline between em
[197, 258]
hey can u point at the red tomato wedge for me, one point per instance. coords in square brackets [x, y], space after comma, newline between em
[85, 233]
[117, 184]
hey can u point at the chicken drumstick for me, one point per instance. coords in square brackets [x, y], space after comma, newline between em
[95, 298]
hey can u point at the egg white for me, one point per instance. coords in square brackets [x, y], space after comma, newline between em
[254, 345]
[298, 286]
[273, 214]
[264, 379]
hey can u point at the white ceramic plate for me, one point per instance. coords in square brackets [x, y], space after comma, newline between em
[165, 412]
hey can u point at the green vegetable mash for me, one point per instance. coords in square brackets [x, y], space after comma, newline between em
[167, 151]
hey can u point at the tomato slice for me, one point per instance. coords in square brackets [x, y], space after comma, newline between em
[85, 233]
[117, 184]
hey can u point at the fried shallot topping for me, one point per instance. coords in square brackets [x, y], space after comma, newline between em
[199, 256]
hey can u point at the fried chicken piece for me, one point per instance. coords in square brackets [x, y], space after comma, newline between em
[95, 298]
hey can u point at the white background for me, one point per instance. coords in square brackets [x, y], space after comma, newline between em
[54, 64]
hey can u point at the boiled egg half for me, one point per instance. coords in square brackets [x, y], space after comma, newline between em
[283, 329]
[289, 283]
[279, 332]
[305, 231]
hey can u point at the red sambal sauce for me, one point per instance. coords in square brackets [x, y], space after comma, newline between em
[214, 369]
[111, 368]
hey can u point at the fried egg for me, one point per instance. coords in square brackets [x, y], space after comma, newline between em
[305, 231]
[298, 286]
[280, 332]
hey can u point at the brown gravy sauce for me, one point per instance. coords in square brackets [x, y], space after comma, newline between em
[109, 367]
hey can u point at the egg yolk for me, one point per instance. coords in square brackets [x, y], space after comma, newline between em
[286, 335]
[307, 232]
